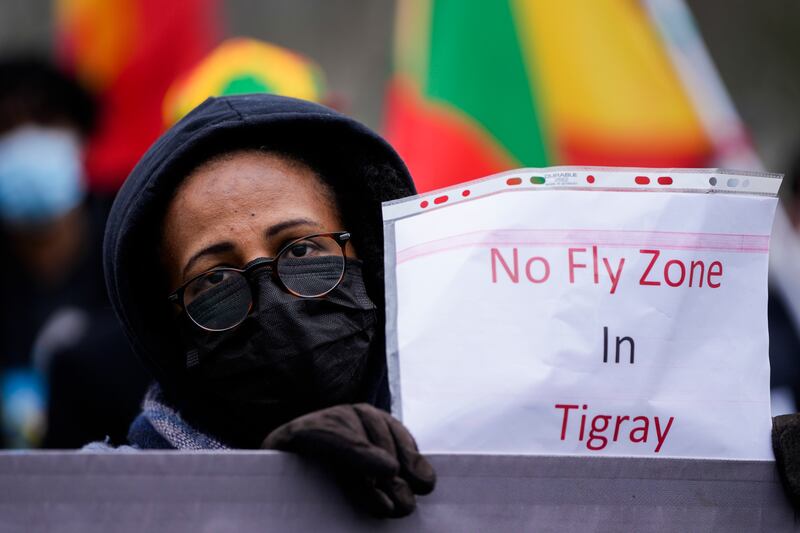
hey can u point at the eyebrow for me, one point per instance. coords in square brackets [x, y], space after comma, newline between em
[227, 246]
[282, 226]
[217, 248]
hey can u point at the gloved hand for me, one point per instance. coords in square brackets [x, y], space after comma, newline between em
[371, 451]
[786, 445]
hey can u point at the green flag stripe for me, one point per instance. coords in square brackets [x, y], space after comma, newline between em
[246, 84]
[477, 66]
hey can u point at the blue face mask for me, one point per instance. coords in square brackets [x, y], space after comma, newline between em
[41, 174]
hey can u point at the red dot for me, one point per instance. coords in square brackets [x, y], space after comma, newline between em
[441, 200]
[590, 178]
[465, 193]
[424, 204]
[642, 180]
[513, 181]
[665, 180]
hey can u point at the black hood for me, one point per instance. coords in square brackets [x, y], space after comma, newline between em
[360, 166]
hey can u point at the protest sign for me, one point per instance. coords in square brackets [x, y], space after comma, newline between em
[596, 311]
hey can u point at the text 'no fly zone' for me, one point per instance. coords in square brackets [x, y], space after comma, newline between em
[656, 269]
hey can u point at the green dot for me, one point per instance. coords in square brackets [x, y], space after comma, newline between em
[537, 180]
[246, 84]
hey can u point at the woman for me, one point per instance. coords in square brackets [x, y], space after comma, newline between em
[243, 256]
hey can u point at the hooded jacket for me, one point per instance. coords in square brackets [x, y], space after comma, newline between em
[360, 166]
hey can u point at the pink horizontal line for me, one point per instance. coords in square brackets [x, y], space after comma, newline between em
[664, 240]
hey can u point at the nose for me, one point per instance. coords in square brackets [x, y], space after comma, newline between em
[265, 289]
[259, 263]
[252, 251]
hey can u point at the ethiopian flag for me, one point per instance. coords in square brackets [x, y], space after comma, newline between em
[487, 85]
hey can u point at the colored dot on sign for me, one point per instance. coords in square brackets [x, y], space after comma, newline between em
[537, 180]
[465, 193]
[642, 180]
[733, 182]
[665, 180]
[441, 200]
[712, 181]
[424, 204]
[513, 181]
[746, 183]
[590, 178]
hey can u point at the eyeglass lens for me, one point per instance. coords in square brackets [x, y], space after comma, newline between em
[219, 300]
[311, 267]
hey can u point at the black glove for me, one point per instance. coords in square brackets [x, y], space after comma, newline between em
[372, 453]
[786, 445]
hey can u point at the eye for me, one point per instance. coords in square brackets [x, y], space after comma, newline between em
[314, 246]
[207, 282]
[214, 277]
[298, 250]
[302, 249]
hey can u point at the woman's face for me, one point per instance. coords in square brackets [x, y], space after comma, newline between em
[241, 207]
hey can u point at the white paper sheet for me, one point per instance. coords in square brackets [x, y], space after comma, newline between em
[584, 311]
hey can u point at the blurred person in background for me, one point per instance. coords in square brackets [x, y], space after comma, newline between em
[56, 329]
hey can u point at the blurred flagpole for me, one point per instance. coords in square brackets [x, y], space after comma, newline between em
[694, 66]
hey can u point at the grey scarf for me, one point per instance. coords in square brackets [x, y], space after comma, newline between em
[169, 424]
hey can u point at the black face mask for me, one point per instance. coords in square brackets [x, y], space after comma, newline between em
[289, 357]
